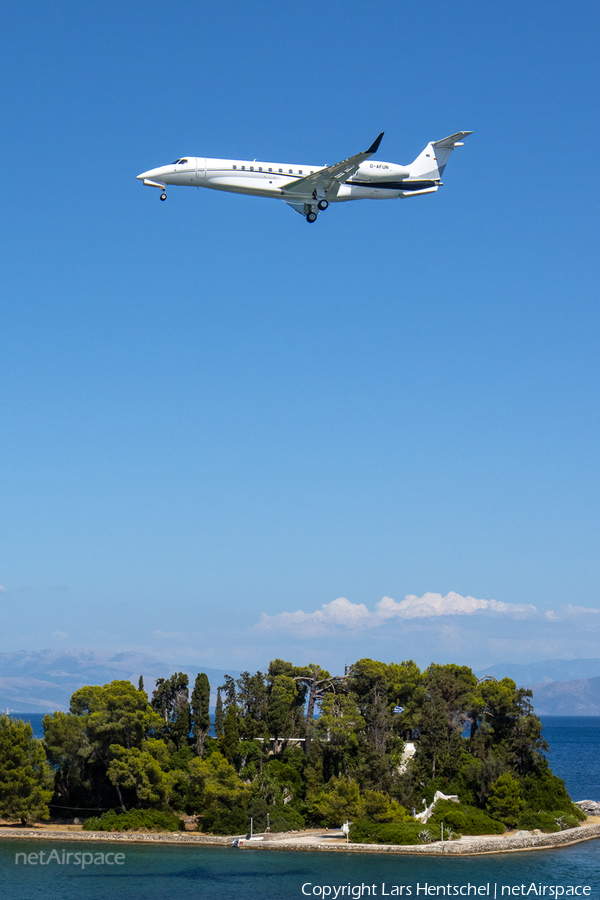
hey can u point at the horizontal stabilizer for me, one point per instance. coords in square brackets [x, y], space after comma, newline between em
[449, 143]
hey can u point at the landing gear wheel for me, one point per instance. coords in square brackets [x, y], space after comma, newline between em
[163, 196]
[322, 204]
[311, 217]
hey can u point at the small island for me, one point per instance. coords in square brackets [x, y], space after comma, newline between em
[405, 757]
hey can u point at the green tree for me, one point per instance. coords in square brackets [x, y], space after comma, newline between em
[370, 681]
[293, 724]
[338, 727]
[378, 807]
[25, 776]
[114, 714]
[138, 773]
[451, 694]
[219, 717]
[250, 754]
[170, 700]
[231, 736]
[252, 703]
[229, 691]
[67, 749]
[526, 739]
[217, 794]
[200, 711]
[319, 683]
[281, 708]
[506, 802]
[480, 774]
[339, 802]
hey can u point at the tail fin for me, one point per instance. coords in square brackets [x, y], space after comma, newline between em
[430, 164]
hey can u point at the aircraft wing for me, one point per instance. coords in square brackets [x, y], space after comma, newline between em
[328, 180]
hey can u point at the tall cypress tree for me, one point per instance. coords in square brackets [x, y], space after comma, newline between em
[219, 719]
[200, 713]
[231, 736]
[182, 724]
[170, 700]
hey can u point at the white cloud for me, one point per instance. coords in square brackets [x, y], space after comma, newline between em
[355, 616]
[571, 611]
[2, 589]
[453, 604]
[581, 610]
[62, 634]
[338, 612]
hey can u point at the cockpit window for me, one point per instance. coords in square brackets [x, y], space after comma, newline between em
[182, 161]
[175, 163]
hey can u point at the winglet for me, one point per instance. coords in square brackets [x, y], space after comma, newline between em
[375, 145]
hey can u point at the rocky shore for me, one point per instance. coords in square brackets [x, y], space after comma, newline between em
[331, 841]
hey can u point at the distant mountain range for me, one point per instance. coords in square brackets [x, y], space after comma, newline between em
[567, 698]
[545, 671]
[561, 687]
[43, 680]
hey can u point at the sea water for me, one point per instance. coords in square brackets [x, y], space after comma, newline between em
[166, 872]
[575, 753]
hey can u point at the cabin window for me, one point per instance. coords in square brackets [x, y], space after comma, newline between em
[235, 167]
[260, 168]
[243, 168]
[252, 168]
[312, 173]
[291, 171]
[270, 170]
[299, 171]
[281, 170]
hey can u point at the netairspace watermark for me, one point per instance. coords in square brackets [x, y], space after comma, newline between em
[69, 858]
[420, 890]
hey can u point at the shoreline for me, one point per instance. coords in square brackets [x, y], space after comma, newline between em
[466, 846]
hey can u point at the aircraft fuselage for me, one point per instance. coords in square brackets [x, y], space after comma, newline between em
[310, 188]
[264, 179]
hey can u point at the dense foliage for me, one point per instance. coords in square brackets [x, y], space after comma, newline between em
[410, 833]
[25, 776]
[464, 819]
[297, 746]
[135, 820]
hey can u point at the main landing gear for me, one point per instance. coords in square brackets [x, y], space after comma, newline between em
[163, 196]
[311, 209]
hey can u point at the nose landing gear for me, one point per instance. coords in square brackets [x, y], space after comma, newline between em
[163, 196]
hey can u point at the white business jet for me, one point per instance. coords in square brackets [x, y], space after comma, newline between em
[310, 189]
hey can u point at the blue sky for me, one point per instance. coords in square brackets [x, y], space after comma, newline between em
[218, 420]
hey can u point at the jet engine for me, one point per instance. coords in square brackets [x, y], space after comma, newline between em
[381, 171]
